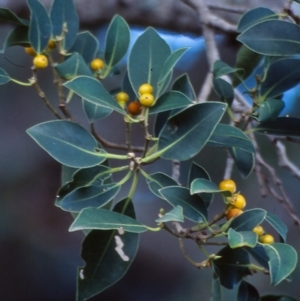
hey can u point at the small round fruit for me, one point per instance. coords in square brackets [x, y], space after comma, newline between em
[147, 100]
[40, 61]
[234, 212]
[227, 185]
[238, 201]
[259, 230]
[30, 51]
[97, 64]
[134, 108]
[266, 239]
[122, 97]
[145, 89]
[51, 44]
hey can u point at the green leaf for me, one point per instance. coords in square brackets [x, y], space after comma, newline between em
[62, 13]
[94, 112]
[117, 41]
[282, 261]
[244, 160]
[126, 87]
[18, 36]
[170, 101]
[231, 267]
[277, 298]
[270, 109]
[72, 67]
[254, 16]
[93, 91]
[272, 37]
[177, 137]
[40, 26]
[104, 265]
[86, 45]
[194, 208]
[282, 126]
[183, 85]
[241, 239]
[260, 255]
[159, 180]
[146, 60]
[203, 186]
[4, 77]
[247, 292]
[229, 136]
[101, 219]
[68, 143]
[277, 224]
[248, 220]
[170, 64]
[175, 215]
[220, 68]
[9, 16]
[282, 75]
[224, 90]
[216, 294]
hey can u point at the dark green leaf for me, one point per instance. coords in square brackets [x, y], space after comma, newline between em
[67, 174]
[18, 36]
[93, 91]
[248, 220]
[224, 90]
[126, 87]
[104, 265]
[101, 219]
[216, 294]
[175, 215]
[254, 16]
[177, 137]
[231, 267]
[220, 68]
[277, 224]
[241, 239]
[277, 298]
[183, 85]
[282, 261]
[63, 13]
[146, 60]
[272, 37]
[4, 77]
[9, 16]
[86, 45]
[194, 208]
[170, 101]
[68, 143]
[247, 292]
[260, 255]
[203, 186]
[244, 160]
[94, 112]
[270, 109]
[40, 26]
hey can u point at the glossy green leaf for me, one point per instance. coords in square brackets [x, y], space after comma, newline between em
[146, 60]
[241, 239]
[93, 91]
[248, 220]
[244, 160]
[8, 16]
[224, 90]
[72, 67]
[18, 36]
[272, 37]
[247, 292]
[277, 224]
[101, 219]
[175, 215]
[86, 45]
[170, 101]
[67, 174]
[229, 136]
[40, 27]
[220, 68]
[203, 185]
[126, 87]
[183, 85]
[193, 206]
[270, 109]
[277, 298]
[216, 292]
[68, 143]
[106, 259]
[4, 77]
[282, 261]
[94, 112]
[254, 16]
[170, 64]
[64, 12]
[231, 268]
[158, 181]
[177, 137]
[246, 60]
[282, 126]
[117, 41]
[282, 76]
